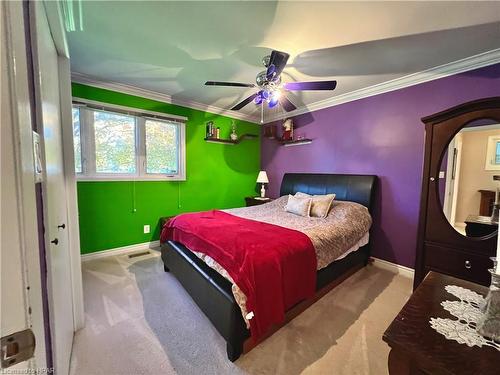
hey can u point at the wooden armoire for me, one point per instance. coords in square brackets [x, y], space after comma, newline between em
[440, 247]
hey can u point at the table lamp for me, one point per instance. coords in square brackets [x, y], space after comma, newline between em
[262, 179]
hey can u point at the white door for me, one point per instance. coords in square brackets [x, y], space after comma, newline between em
[45, 62]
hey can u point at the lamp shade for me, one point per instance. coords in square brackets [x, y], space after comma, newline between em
[262, 178]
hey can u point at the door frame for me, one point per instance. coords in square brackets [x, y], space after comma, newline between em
[56, 24]
[21, 123]
[450, 179]
[456, 183]
[19, 62]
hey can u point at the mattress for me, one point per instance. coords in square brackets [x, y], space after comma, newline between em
[343, 231]
[345, 225]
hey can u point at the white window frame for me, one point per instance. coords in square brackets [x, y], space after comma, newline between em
[491, 153]
[87, 139]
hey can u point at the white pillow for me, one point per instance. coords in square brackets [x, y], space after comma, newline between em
[321, 204]
[299, 205]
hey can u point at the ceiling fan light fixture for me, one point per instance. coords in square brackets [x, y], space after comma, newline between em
[273, 102]
[258, 99]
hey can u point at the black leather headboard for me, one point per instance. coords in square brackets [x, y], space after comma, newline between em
[347, 187]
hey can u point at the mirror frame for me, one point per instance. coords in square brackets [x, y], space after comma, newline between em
[441, 128]
[434, 230]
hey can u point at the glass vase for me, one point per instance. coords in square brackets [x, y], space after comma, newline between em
[489, 325]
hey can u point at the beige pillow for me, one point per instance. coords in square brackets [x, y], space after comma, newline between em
[321, 204]
[298, 205]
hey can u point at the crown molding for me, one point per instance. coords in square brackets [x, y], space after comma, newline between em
[153, 95]
[441, 71]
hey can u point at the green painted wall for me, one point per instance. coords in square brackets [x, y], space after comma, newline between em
[218, 176]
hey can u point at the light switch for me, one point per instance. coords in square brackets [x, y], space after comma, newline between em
[441, 174]
[146, 229]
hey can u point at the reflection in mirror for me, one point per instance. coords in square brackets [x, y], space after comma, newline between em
[467, 185]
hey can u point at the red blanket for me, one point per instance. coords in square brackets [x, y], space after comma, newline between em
[274, 266]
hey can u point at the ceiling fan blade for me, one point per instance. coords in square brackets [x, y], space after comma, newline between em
[244, 102]
[287, 104]
[233, 84]
[277, 63]
[318, 85]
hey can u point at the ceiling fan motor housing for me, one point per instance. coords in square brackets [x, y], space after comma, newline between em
[265, 60]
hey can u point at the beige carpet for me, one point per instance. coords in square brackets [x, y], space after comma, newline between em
[139, 320]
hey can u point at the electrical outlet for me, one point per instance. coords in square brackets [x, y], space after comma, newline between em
[146, 229]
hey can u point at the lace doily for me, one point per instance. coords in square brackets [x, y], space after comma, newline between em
[467, 311]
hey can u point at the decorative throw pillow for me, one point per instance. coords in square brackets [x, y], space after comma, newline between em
[298, 205]
[321, 204]
[300, 194]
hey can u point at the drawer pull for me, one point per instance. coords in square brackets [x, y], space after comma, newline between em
[468, 265]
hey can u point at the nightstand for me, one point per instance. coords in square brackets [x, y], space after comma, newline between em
[255, 201]
[163, 220]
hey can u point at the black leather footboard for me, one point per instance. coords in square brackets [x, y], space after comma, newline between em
[213, 294]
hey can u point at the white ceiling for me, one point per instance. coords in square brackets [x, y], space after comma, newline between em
[174, 47]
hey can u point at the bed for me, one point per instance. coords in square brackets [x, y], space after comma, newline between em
[213, 292]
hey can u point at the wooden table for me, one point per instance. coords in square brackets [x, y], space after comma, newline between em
[478, 226]
[417, 349]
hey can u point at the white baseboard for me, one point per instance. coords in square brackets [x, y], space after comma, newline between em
[380, 263]
[393, 267]
[120, 250]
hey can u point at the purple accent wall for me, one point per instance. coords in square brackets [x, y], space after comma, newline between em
[380, 135]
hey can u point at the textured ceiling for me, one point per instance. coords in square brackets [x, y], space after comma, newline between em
[174, 47]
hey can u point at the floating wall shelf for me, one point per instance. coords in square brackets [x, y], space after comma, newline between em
[297, 142]
[229, 141]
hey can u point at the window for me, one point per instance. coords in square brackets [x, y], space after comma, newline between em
[493, 153]
[112, 145]
[77, 140]
[161, 147]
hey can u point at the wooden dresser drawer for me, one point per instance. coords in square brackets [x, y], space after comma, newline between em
[454, 262]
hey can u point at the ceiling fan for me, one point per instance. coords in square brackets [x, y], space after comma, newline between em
[271, 89]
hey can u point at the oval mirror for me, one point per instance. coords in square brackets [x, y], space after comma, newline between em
[467, 183]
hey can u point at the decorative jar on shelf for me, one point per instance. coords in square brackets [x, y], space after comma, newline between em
[233, 136]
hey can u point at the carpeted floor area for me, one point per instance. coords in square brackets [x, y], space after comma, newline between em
[139, 320]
